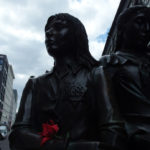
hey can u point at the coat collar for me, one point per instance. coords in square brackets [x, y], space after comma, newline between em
[133, 58]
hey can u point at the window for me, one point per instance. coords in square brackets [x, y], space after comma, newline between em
[0, 67]
[1, 106]
[140, 2]
[0, 115]
[145, 2]
[1, 61]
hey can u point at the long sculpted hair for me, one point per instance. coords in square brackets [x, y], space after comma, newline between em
[80, 45]
[125, 17]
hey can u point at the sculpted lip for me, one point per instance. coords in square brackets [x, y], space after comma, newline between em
[50, 42]
[52, 45]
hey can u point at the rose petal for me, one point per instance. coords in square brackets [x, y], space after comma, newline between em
[44, 140]
[49, 131]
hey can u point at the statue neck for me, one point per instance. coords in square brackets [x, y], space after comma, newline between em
[63, 62]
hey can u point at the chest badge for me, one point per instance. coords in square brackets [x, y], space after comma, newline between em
[75, 92]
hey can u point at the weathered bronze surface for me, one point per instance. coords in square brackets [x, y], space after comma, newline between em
[74, 95]
[128, 74]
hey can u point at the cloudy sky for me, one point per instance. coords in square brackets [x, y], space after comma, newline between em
[22, 31]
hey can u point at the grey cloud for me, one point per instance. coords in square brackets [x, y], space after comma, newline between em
[28, 55]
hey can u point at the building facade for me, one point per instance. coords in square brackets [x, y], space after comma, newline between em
[3, 79]
[111, 39]
[13, 107]
[8, 96]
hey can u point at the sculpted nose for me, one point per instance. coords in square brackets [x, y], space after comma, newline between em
[145, 29]
[49, 33]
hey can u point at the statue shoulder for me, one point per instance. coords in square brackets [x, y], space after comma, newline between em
[112, 60]
[97, 74]
[40, 79]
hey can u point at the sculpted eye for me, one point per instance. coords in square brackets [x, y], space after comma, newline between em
[140, 20]
[59, 26]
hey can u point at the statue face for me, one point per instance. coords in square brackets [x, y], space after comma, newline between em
[57, 37]
[136, 34]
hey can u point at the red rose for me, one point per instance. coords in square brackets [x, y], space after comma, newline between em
[49, 131]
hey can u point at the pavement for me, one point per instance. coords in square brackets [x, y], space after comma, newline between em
[4, 144]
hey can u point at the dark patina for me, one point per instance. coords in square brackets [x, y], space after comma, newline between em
[73, 95]
[128, 73]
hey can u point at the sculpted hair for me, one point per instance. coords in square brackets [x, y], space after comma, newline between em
[80, 36]
[124, 18]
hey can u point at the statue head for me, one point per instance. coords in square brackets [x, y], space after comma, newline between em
[133, 29]
[66, 35]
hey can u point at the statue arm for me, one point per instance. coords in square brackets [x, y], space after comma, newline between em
[110, 125]
[24, 135]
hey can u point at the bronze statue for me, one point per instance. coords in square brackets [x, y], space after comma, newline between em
[128, 73]
[71, 101]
